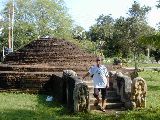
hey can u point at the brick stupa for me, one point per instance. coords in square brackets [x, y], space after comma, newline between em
[30, 67]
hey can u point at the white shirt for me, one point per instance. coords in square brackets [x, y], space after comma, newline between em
[99, 76]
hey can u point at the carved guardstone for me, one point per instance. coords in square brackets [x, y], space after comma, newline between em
[69, 73]
[139, 90]
[81, 98]
[77, 92]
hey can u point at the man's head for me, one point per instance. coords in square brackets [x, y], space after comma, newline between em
[98, 61]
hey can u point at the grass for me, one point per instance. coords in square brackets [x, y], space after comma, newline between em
[144, 64]
[34, 107]
[132, 64]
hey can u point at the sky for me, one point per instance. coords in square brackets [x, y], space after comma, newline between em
[84, 12]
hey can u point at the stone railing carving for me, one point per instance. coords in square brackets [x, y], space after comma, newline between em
[81, 97]
[77, 92]
[139, 90]
[132, 92]
[124, 88]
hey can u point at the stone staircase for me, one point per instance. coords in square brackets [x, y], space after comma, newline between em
[112, 99]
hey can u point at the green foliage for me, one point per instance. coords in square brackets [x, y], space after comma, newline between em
[158, 5]
[138, 12]
[122, 35]
[36, 18]
[131, 64]
[151, 40]
[103, 29]
[87, 45]
[79, 33]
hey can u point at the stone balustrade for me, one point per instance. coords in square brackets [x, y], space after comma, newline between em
[77, 92]
[132, 92]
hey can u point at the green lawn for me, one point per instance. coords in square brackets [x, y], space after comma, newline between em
[34, 107]
[143, 64]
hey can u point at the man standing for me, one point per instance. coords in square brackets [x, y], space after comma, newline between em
[99, 75]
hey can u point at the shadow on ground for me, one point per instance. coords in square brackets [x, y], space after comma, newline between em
[144, 114]
[41, 111]
[153, 88]
[24, 115]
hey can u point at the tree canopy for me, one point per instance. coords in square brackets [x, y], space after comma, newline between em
[122, 35]
[36, 18]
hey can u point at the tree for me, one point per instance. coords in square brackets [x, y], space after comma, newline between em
[137, 27]
[156, 54]
[158, 5]
[79, 33]
[103, 29]
[102, 32]
[36, 18]
[120, 37]
[152, 40]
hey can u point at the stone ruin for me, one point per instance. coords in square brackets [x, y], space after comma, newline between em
[77, 92]
[34, 66]
[81, 97]
[139, 91]
[51, 66]
[42, 66]
[132, 92]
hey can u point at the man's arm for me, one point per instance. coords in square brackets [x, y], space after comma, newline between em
[85, 75]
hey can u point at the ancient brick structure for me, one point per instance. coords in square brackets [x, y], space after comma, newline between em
[33, 66]
[38, 68]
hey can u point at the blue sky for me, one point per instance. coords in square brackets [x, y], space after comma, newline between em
[84, 12]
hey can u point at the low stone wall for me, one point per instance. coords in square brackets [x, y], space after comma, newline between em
[23, 81]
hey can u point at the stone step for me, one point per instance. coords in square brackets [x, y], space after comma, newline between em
[50, 43]
[33, 52]
[108, 98]
[117, 105]
[42, 69]
[48, 55]
[114, 105]
[13, 79]
[110, 93]
[46, 59]
[113, 99]
[54, 49]
[31, 73]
